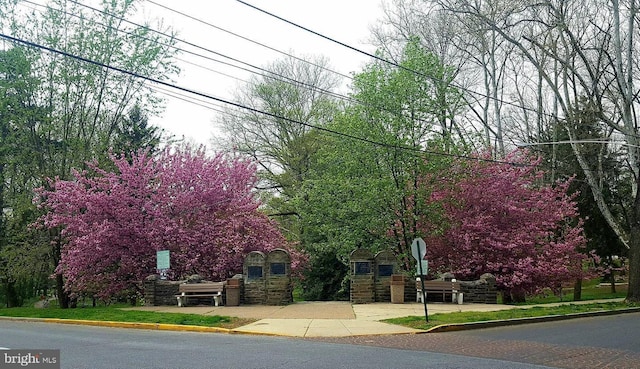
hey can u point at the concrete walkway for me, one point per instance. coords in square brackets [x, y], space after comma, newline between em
[329, 319]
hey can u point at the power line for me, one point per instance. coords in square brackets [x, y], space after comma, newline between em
[377, 57]
[323, 36]
[244, 107]
[259, 68]
[184, 89]
[374, 56]
[308, 86]
[290, 80]
[192, 100]
[249, 40]
[272, 75]
[144, 38]
[281, 78]
[265, 72]
[212, 70]
[186, 98]
[584, 141]
[151, 40]
[381, 59]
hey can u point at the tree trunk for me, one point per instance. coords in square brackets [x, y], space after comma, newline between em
[613, 279]
[63, 296]
[577, 290]
[11, 294]
[513, 296]
[633, 294]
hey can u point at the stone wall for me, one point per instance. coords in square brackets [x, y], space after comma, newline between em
[159, 292]
[385, 265]
[279, 284]
[267, 278]
[363, 290]
[255, 280]
[371, 277]
[482, 291]
[383, 289]
[410, 291]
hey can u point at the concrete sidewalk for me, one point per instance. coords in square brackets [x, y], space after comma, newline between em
[327, 319]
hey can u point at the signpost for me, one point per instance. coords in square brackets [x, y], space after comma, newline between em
[419, 250]
[162, 263]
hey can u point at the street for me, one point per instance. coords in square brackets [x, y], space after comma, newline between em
[597, 342]
[113, 348]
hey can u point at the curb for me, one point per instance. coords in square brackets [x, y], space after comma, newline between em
[517, 321]
[148, 326]
[129, 325]
[437, 329]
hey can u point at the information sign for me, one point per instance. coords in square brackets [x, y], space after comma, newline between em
[162, 261]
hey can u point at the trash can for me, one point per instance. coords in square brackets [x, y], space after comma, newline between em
[233, 292]
[397, 289]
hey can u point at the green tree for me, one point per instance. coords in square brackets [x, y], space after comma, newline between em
[365, 193]
[22, 262]
[134, 133]
[82, 107]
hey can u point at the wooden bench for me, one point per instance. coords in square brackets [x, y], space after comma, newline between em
[213, 290]
[443, 287]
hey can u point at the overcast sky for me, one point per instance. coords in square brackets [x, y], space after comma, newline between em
[347, 21]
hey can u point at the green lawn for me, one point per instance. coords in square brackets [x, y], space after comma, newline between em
[418, 322]
[590, 291]
[117, 314]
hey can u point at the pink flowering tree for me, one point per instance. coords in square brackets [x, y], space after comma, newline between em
[502, 219]
[200, 208]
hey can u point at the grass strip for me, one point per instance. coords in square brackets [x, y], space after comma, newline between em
[418, 322]
[116, 314]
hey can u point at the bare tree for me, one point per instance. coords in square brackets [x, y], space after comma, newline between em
[593, 68]
[295, 96]
[437, 32]
[277, 129]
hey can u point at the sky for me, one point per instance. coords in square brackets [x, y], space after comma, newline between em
[348, 21]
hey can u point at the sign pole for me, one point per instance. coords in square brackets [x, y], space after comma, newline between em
[424, 293]
[419, 254]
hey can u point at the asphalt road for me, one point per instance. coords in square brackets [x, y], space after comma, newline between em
[113, 348]
[617, 332]
[597, 342]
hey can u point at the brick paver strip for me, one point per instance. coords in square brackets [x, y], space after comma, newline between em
[559, 356]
